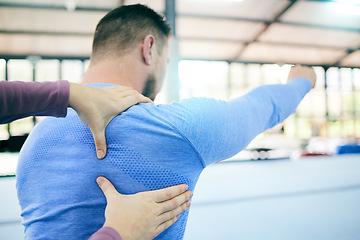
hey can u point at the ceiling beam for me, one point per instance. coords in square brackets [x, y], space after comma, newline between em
[52, 33]
[44, 57]
[265, 21]
[77, 34]
[255, 62]
[268, 43]
[84, 58]
[336, 28]
[276, 18]
[51, 6]
[355, 3]
[349, 51]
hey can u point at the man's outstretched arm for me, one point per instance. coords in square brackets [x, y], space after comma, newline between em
[220, 129]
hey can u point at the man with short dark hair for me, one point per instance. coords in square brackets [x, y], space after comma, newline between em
[116, 38]
[149, 146]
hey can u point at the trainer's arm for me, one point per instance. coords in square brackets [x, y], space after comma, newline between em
[24, 99]
[96, 107]
[106, 233]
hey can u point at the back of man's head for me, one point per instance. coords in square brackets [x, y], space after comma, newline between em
[120, 30]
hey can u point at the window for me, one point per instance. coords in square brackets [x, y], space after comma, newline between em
[310, 117]
[203, 79]
[238, 83]
[40, 70]
[20, 70]
[330, 110]
[4, 134]
[342, 97]
[2, 69]
[47, 70]
[72, 70]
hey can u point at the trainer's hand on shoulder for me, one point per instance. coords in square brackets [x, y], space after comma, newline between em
[304, 72]
[96, 107]
[143, 215]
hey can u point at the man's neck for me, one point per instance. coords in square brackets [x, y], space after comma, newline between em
[125, 73]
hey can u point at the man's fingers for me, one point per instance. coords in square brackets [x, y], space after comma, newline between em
[106, 186]
[175, 202]
[166, 194]
[100, 143]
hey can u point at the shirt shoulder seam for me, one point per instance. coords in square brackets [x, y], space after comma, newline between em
[183, 136]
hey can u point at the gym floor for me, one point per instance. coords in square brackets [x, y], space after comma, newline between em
[311, 198]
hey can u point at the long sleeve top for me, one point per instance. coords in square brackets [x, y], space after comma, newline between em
[24, 99]
[106, 233]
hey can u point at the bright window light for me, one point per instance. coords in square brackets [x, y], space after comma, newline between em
[203, 79]
[355, 2]
[346, 7]
[236, 1]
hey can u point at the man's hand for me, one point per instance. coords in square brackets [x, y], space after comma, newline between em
[96, 107]
[304, 72]
[144, 215]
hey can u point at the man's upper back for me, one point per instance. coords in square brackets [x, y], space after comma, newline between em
[58, 168]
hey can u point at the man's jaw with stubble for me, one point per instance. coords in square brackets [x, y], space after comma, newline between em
[150, 88]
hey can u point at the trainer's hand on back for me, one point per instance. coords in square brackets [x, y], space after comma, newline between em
[143, 215]
[303, 72]
[96, 107]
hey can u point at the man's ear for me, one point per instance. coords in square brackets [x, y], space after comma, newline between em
[148, 47]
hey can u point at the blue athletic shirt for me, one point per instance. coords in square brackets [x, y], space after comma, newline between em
[149, 147]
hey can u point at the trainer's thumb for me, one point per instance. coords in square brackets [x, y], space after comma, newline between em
[100, 143]
[106, 187]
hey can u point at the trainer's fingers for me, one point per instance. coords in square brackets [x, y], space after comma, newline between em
[165, 225]
[100, 143]
[165, 194]
[146, 100]
[107, 187]
[175, 202]
[166, 216]
[128, 101]
[121, 93]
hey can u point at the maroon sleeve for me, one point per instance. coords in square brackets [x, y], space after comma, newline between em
[24, 99]
[106, 233]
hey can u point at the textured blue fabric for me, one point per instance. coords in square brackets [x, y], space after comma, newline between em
[149, 147]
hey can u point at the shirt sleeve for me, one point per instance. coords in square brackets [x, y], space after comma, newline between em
[220, 129]
[24, 99]
[106, 233]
